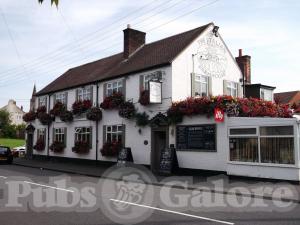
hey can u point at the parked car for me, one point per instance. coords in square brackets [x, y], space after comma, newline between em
[6, 155]
[19, 151]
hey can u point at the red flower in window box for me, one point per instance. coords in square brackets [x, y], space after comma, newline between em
[94, 114]
[113, 101]
[80, 107]
[57, 146]
[30, 116]
[39, 145]
[111, 148]
[58, 109]
[81, 147]
[144, 98]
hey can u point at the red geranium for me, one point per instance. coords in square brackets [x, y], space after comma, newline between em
[80, 107]
[113, 101]
[111, 148]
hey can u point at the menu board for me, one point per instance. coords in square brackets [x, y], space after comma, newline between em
[168, 161]
[124, 156]
[196, 137]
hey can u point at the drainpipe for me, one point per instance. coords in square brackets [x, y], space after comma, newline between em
[48, 133]
[97, 123]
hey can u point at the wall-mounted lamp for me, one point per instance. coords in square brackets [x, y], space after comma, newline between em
[215, 30]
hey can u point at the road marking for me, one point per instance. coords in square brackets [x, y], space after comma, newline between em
[3, 177]
[174, 212]
[42, 185]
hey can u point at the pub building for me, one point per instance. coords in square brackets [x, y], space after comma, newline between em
[129, 100]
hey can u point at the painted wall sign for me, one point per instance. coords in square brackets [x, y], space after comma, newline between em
[155, 91]
[211, 56]
[219, 115]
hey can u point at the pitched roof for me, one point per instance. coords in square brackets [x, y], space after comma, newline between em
[149, 56]
[285, 97]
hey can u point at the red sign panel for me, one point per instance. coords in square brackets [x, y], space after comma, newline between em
[219, 115]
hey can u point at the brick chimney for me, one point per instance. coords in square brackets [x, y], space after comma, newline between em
[133, 39]
[244, 62]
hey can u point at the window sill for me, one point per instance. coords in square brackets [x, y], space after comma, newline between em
[195, 150]
[263, 164]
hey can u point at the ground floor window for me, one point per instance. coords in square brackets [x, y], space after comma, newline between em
[83, 134]
[114, 133]
[60, 135]
[264, 144]
[41, 134]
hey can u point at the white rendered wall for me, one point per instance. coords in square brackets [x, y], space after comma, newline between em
[182, 66]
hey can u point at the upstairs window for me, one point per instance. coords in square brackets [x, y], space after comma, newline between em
[42, 101]
[231, 88]
[114, 87]
[201, 85]
[61, 97]
[266, 94]
[85, 93]
[149, 77]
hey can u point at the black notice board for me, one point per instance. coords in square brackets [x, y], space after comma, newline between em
[168, 161]
[124, 156]
[197, 137]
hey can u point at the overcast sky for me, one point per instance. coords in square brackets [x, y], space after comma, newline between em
[39, 42]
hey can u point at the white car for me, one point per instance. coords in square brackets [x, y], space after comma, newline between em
[19, 151]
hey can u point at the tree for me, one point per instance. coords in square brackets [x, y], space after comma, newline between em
[4, 119]
[52, 2]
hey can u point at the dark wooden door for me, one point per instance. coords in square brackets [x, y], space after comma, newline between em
[29, 145]
[159, 142]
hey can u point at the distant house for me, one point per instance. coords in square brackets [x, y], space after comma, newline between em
[291, 97]
[16, 113]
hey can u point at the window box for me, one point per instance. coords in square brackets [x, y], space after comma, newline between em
[113, 101]
[40, 144]
[58, 109]
[81, 147]
[57, 146]
[41, 109]
[79, 107]
[111, 148]
[144, 98]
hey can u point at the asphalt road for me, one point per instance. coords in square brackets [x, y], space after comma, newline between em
[46, 197]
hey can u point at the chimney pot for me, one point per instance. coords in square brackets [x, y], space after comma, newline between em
[240, 52]
[128, 26]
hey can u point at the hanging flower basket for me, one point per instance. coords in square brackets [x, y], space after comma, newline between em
[45, 118]
[80, 107]
[94, 114]
[127, 110]
[57, 146]
[30, 116]
[81, 147]
[113, 101]
[39, 145]
[144, 98]
[111, 148]
[41, 109]
[141, 119]
[66, 116]
[58, 109]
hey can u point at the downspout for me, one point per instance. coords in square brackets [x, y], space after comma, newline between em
[48, 133]
[97, 123]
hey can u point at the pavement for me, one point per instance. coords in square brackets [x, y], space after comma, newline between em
[192, 180]
[158, 206]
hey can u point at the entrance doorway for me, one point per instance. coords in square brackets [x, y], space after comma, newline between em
[159, 142]
[29, 141]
